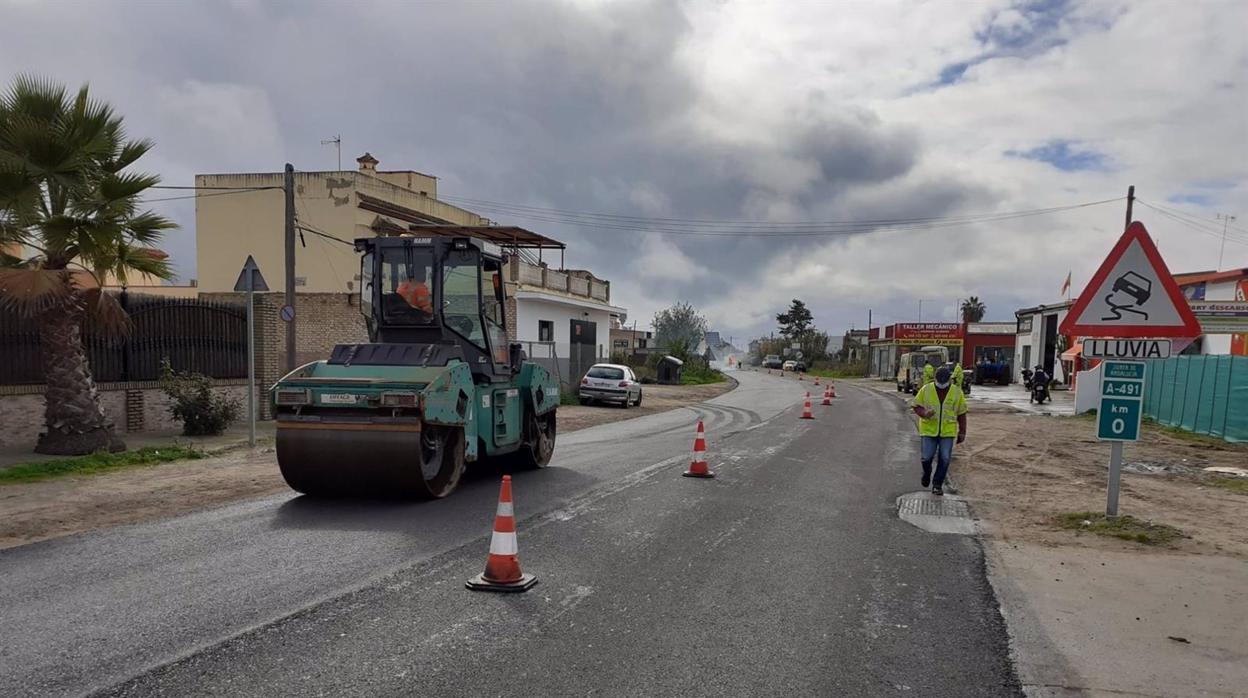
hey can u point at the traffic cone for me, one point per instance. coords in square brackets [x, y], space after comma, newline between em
[806, 413]
[502, 567]
[816, 380]
[831, 390]
[827, 396]
[799, 376]
[698, 466]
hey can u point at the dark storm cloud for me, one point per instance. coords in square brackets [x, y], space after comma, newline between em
[545, 104]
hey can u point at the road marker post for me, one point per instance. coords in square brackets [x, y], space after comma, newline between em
[249, 281]
[1131, 300]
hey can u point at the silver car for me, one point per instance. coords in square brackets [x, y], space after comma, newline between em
[610, 383]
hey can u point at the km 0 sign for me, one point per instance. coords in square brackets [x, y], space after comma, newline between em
[1126, 348]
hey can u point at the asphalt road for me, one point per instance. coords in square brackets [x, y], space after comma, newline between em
[788, 573]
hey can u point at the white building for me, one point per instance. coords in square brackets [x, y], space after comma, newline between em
[563, 318]
[1039, 339]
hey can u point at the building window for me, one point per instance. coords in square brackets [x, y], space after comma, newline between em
[621, 344]
[545, 331]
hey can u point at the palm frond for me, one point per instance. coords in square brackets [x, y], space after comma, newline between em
[148, 228]
[110, 318]
[29, 292]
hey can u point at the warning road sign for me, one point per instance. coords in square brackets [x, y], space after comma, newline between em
[1132, 294]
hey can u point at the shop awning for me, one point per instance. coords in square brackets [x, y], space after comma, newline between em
[1073, 353]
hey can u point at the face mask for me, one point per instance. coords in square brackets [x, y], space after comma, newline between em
[942, 386]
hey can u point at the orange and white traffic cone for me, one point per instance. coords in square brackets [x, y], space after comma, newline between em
[697, 465]
[502, 567]
[831, 390]
[806, 413]
[816, 380]
[827, 395]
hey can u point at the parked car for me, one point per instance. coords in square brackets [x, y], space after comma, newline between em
[795, 365]
[610, 383]
[773, 361]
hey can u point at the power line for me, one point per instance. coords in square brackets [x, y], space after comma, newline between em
[305, 228]
[200, 196]
[607, 220]
[1194, 225]
[198, 188]
[846, 228]
[1194, 217]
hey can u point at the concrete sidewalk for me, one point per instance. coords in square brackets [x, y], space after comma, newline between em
[234, 436]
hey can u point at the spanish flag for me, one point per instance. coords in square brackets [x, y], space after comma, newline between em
[1066, 284]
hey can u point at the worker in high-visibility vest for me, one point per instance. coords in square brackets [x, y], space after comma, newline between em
[929, 373]
[957, 374]
[941, 408]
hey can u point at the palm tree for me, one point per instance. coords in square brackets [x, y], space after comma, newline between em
[69, 215]
[973, 309]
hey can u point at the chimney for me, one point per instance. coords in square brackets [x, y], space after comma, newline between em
[368, 163]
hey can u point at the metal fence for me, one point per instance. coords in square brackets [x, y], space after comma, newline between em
[1203, 394]
[195, 335]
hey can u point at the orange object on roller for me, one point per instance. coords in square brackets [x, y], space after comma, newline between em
[417, 295]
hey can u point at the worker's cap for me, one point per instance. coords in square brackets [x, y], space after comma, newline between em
[942, 375]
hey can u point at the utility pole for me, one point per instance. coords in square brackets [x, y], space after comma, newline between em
[337, 141]
[868, 343]
[1226, 219]
[289, 187]
[1130, 203]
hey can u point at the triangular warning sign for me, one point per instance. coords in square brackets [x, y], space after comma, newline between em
[1132, 295]
[250, 278]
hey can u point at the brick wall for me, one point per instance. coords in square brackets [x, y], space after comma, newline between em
[322, 320]
[138, 406]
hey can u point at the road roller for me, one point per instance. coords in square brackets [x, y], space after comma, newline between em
[437, 386]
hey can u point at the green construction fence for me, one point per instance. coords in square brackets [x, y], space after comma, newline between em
[1202, 394]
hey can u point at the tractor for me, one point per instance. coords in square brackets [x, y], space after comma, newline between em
[436, 387]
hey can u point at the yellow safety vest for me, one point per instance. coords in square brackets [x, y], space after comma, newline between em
[929, 374]
[945, 420]
[957, 375]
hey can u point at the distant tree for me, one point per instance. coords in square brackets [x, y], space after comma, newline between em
[796, 321]
[973, 309]
[679, 329]
[70, 214]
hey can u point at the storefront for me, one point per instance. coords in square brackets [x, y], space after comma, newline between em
[888, 343]
[988, 350]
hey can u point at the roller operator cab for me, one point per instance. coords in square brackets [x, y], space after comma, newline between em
[436, 387]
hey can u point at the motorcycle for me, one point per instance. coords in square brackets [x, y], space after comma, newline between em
[1040, 388]
[1027, 374]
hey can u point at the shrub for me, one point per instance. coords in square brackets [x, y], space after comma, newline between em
[202, 411]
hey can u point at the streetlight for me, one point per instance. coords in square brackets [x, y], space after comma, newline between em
[921, 308]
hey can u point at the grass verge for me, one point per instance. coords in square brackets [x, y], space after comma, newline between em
[1124, 527]
[95, 463]
[702, 377]
[1234, 484]
[835, 373]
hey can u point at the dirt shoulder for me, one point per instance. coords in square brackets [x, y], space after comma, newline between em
[1019, 470]
[52, 508]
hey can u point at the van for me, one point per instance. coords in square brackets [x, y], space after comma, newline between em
[910, 371]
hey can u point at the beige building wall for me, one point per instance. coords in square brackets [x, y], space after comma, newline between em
[228, 227]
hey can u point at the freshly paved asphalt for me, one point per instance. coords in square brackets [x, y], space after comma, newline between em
[789, 573]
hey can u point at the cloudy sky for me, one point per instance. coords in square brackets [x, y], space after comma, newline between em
[779, 112]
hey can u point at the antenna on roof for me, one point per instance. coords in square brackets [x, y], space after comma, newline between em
[337, 141]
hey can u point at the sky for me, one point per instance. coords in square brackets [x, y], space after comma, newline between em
[715, 110]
